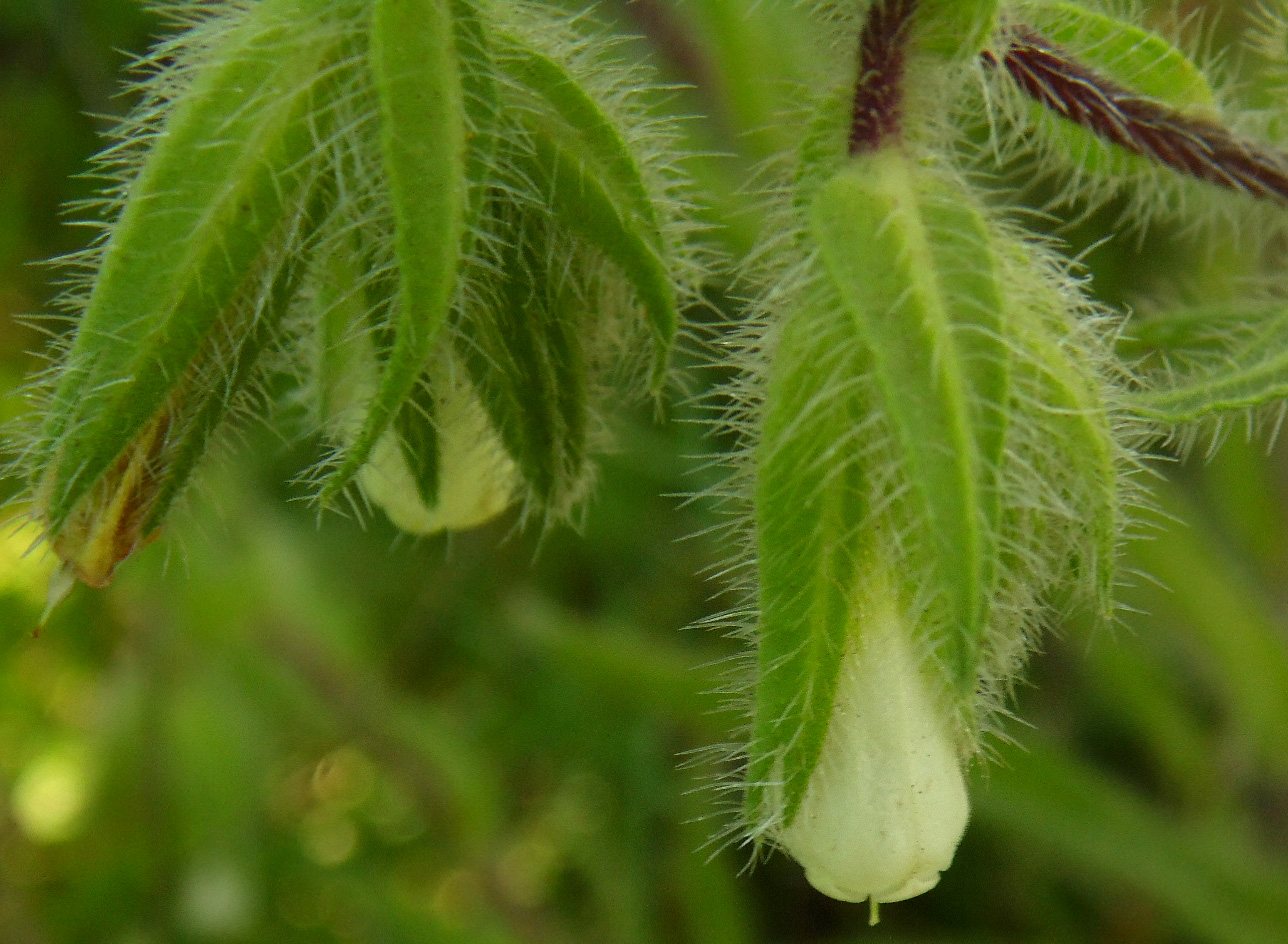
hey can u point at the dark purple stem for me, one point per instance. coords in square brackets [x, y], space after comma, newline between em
[1200, 148]
[878, 98]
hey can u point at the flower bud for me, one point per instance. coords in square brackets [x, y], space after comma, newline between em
[886, 804]
[476, 478]
[932, 456]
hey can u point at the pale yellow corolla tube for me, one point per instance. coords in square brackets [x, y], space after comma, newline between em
[477, 479]
[886, 806]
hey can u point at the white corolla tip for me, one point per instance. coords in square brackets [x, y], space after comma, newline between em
[886, 805]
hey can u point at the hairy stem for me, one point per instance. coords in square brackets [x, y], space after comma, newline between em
[1192, 145]
[878, 99]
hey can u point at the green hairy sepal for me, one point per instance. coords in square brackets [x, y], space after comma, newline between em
[415, 70]
[375, 192]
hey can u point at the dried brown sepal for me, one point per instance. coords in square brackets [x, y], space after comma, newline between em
[110, 523]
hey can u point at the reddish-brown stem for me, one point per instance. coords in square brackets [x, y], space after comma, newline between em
[878, 97]
[1194, 146]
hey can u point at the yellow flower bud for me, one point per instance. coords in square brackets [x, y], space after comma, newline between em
[477, 479]
[886, 805]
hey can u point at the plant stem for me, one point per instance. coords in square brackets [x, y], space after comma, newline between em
[1195, 146]
[878, 98]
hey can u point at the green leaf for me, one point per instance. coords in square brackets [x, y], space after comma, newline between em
[600, 140]
[524, 353]
[1193, 332]
[967, 271]
[1251, 372]
[203, 211]
[1071, 411]
[809, 507]
[579, 199]
[481, 97]
[347, 367]
[1133, 58]
[211, 401]
[417, 75]
[895, 263]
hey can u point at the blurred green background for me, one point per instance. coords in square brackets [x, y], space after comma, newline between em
[272, 729]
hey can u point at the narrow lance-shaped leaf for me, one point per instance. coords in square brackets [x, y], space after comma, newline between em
[1252, 373]
[524, 353]
[581, 202]
[413, 425]
[265, 315]
[881, 262]
[966, 267]
[1123, 84]
[215, 400]
[1134, 57]
[347, 368]
[210, 197]
[1072, 408]
[809, 505]
[481, 96]
[128, 503]
[1193, 332]
[417, 76]
[583, 116]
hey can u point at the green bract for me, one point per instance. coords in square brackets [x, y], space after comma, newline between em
[917, 283]
[373, 190]
[1126, 53]
[1215, 361]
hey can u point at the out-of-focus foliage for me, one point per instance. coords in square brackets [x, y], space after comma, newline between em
[275, 730]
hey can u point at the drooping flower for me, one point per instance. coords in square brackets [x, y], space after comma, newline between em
[441, 227]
